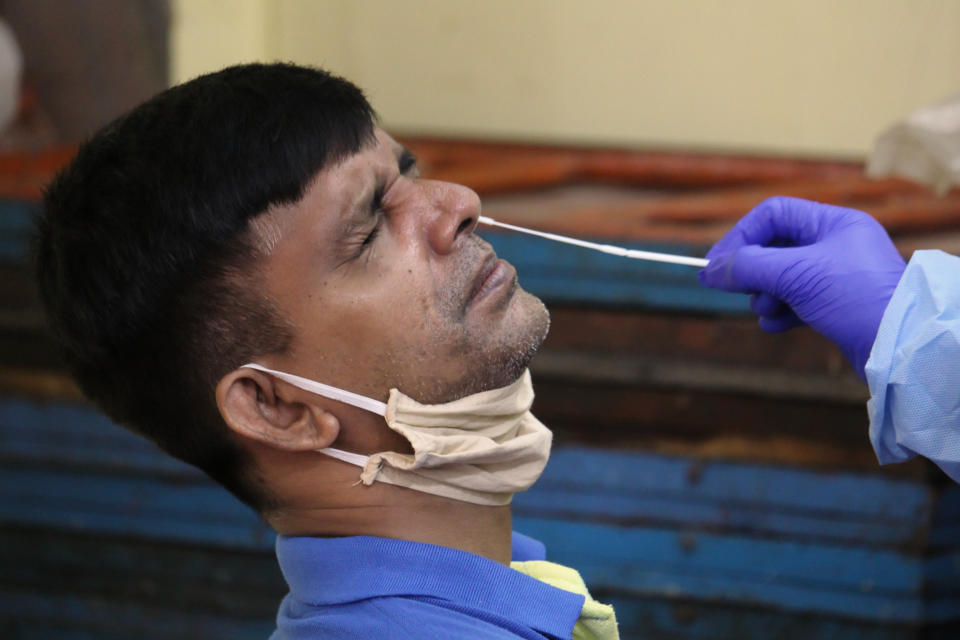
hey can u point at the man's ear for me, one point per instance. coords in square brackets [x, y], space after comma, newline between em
[256, 406]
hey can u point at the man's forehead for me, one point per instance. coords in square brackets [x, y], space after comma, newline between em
[385, 139]
[334, 190]
[380, 153]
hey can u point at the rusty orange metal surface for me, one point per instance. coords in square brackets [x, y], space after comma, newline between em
[491, 167]
[638, 195]
[691, 198]
[24, 175]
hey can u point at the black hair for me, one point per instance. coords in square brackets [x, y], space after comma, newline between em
[145, 260]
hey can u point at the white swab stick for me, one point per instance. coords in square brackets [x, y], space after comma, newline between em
[605, 248]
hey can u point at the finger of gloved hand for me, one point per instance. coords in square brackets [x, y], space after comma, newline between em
[764, 304]
[779, 219]
[780, 323]
[751, 269]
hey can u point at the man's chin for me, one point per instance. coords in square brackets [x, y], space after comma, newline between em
[494, 353]
[539, 327]
[526, 329]
[538, 317]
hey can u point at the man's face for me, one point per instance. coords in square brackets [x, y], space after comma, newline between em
[387, 285]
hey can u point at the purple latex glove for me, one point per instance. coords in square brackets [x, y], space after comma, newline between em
[832, 268]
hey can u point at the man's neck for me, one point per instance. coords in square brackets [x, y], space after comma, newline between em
[339, 506]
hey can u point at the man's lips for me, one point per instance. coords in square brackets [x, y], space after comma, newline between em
[493, 273]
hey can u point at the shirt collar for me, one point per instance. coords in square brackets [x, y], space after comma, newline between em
[329, 571]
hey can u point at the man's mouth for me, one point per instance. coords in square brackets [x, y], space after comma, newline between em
[493, 275]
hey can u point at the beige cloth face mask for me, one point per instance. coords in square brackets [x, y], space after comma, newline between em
[481, 449]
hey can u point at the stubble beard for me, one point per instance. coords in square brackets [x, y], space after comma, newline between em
[485, 354]
[501, 359]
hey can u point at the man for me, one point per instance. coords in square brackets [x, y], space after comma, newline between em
[836, 270]
[257, 216]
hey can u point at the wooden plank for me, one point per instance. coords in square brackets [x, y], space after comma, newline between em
[837, 544]
[165, 506]
[129, 505]
[477, 164]
[81, 437]
[24, 175]
[90, 616]
[727, 340]
[16, 224]
[674, 618]
[623, 213]
[562, 273]
[44, 384]
[701, 218]
[554, 272]
[945, 526]
[599, 368]
[639, 489]
[240, 583]
[836, 579]
[774, 431]
[841, 580]
[628, 486]
[139, 581]
[626, 416]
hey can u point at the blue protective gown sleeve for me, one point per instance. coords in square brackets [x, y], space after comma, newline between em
[914, 366]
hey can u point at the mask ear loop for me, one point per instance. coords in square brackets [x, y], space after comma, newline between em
[334, 393]
[325, 390]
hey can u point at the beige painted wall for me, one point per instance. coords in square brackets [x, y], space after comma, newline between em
[811, 77]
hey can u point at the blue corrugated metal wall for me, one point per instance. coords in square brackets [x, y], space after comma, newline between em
[104, 536]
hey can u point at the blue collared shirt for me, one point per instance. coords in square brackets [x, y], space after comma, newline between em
[367, 587]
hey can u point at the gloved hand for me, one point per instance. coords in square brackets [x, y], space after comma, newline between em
[832, 268]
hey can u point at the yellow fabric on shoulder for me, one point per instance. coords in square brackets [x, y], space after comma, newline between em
[597, 621]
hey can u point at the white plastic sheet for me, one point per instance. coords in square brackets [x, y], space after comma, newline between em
[924, 147]
[11, 66]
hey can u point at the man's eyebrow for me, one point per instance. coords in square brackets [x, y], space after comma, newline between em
[406, 160]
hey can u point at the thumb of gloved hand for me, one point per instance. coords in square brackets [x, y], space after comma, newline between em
[759, 271]
[838, 280]
[753, 268]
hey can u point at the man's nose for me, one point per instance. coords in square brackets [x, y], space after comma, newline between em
[457, 209]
